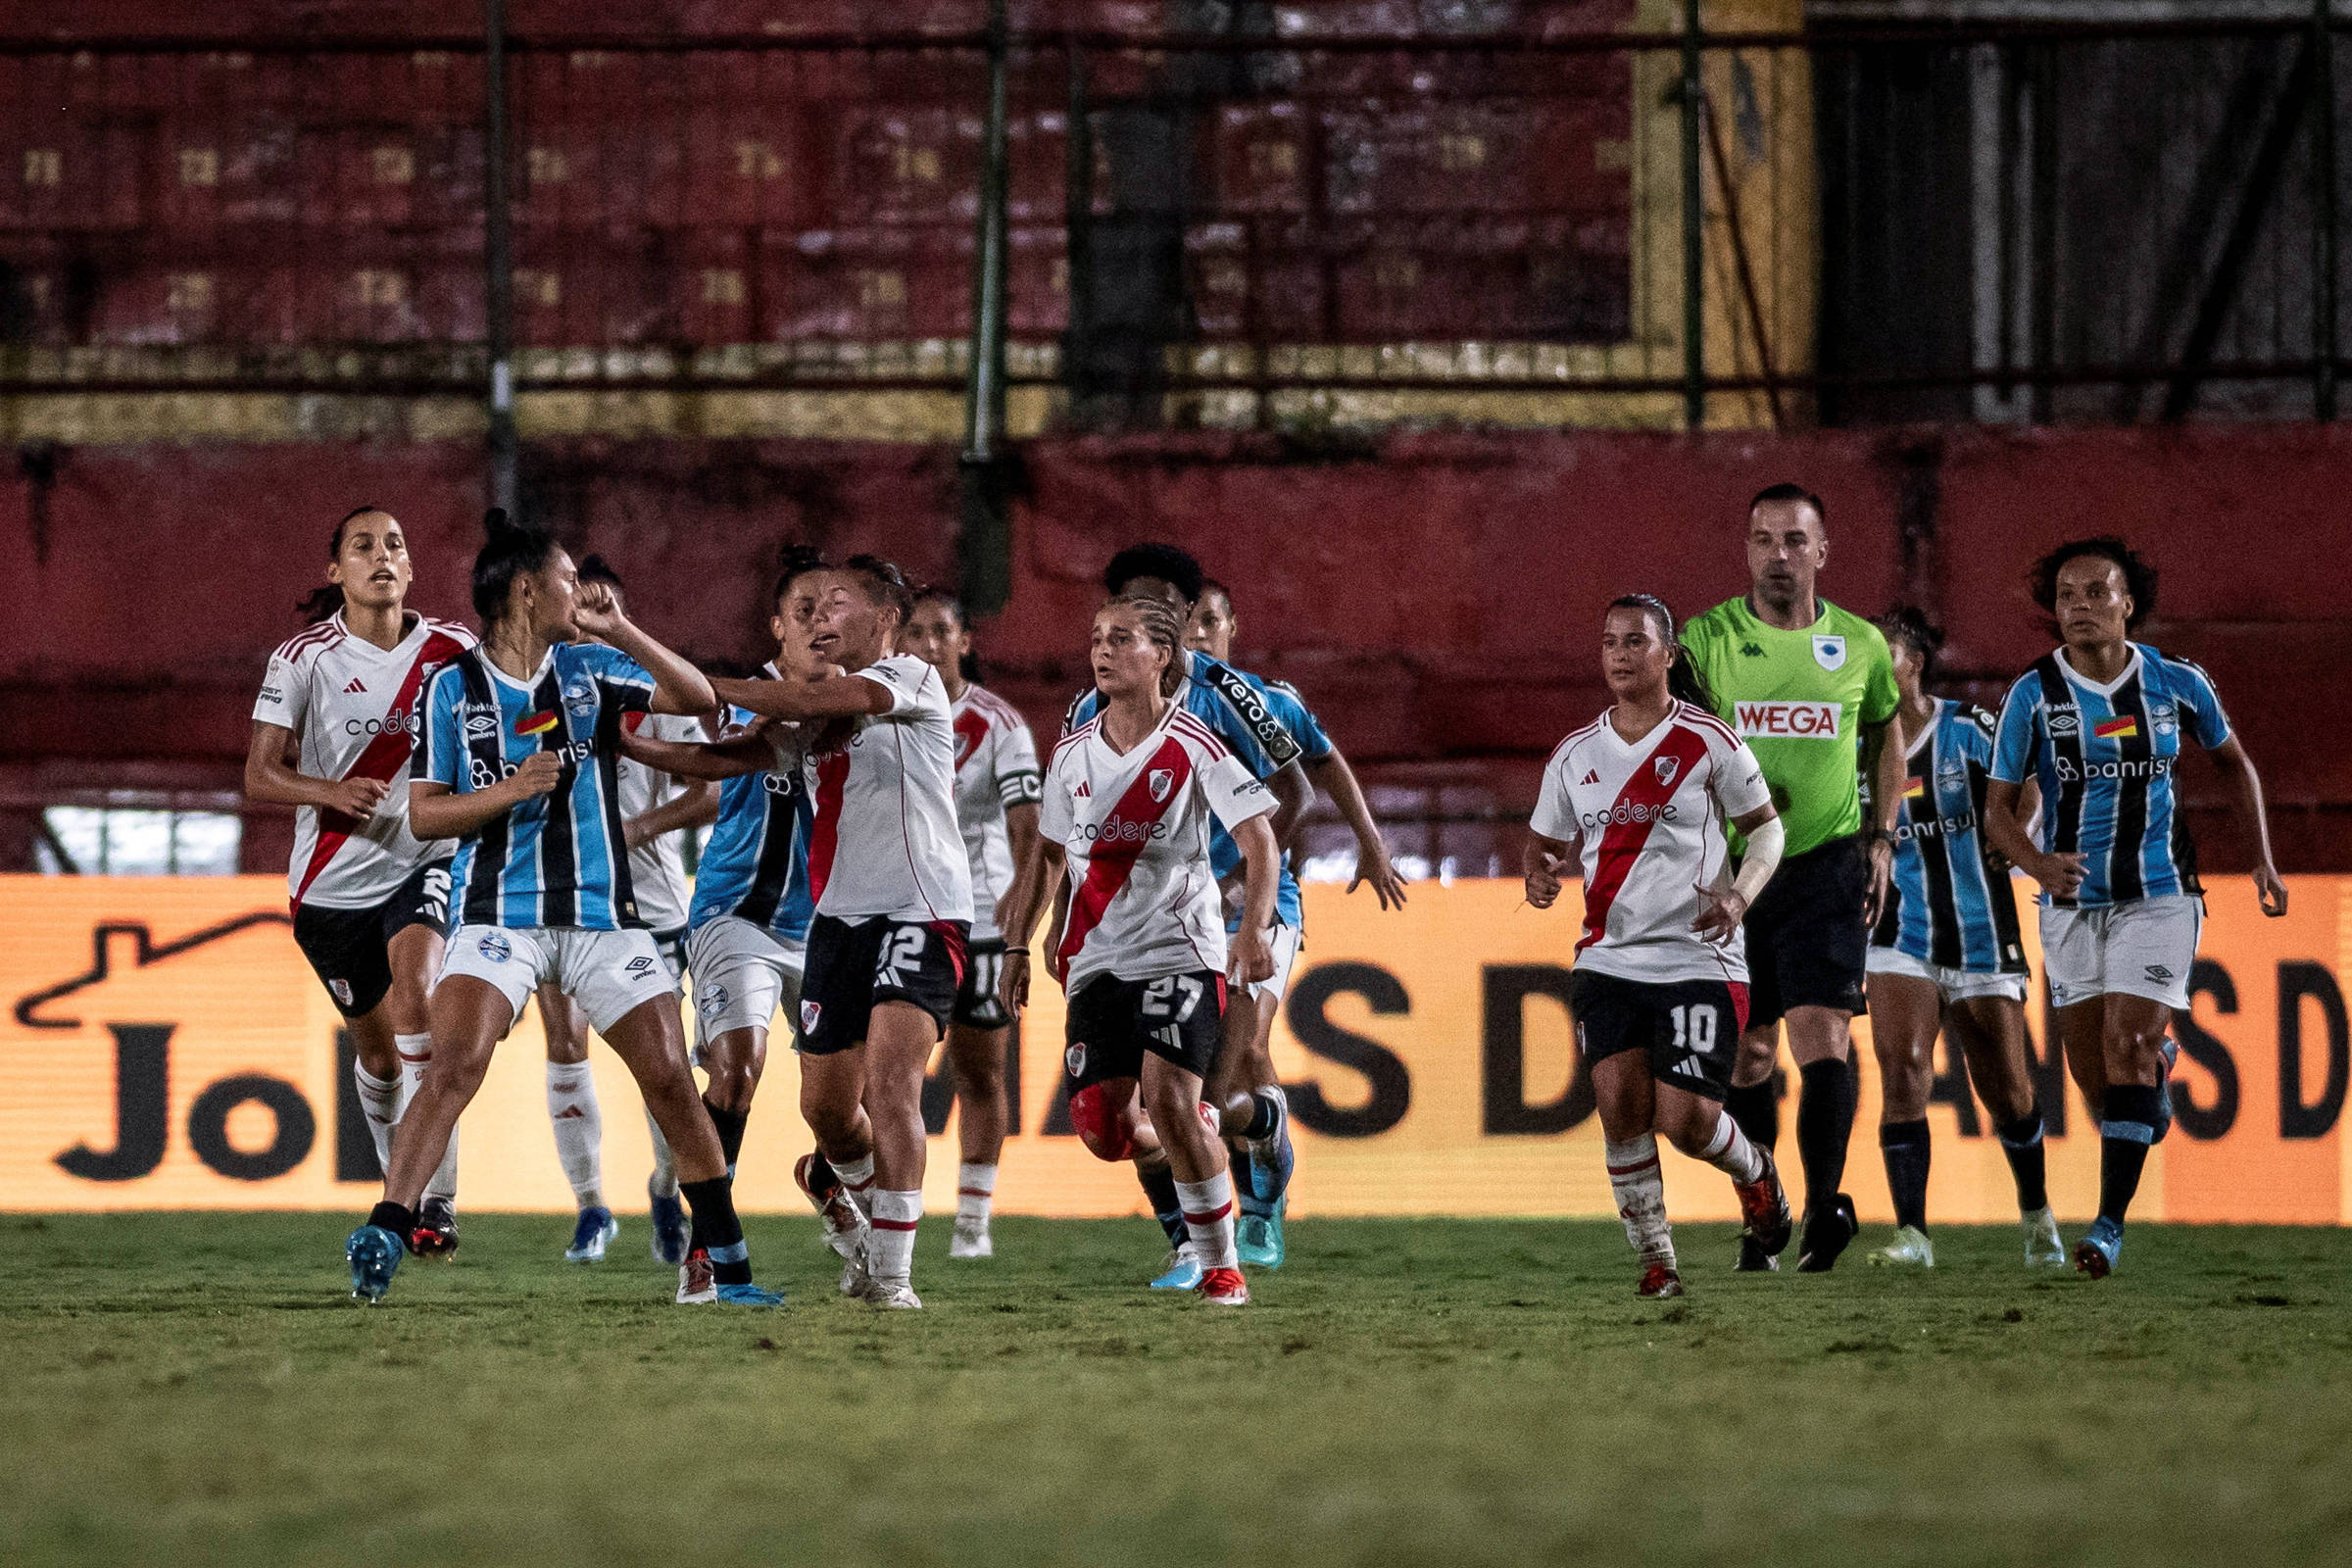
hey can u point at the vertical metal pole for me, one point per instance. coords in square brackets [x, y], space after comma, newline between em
[1694, 347]
[498, 259]
[2323, 211]
[985, 545]
[1078, 226]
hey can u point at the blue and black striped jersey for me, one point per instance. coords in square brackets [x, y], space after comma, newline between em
[1953, 903]
[755, 866]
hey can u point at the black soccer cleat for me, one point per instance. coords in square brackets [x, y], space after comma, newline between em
[436, 1233]
[1754, 1259]
[1827, 1232]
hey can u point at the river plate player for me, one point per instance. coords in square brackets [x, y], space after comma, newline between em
[1809, 687]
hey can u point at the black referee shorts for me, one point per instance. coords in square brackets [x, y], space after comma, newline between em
[1807, 945]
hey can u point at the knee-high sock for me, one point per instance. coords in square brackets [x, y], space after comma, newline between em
[858, 1180]
[2126, 1127]
[1907, 1148]
[715, 1228]
[730, 1125]
[2021, 1141]
[890, 1251]
[975, 1189]
[1208, 1219]
[415, 1055]
[663, 1183]
[1731, 1153]
[380, 1102]
[1160, 1186]
[1825, 1122]
[1757, 1111]
[579, 1124]
[1641, 1192]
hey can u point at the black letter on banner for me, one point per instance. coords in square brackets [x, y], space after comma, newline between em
[1392, 1084]
[142, 1103]
[1950, 1087]
[2296, 1119]
[2208, 1053]
[355, 1144]
[208, 1127]
[1508, 987]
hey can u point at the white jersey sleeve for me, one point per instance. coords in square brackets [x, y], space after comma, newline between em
[1737, 778]
[1555, 814]
[1232, 790]
[285, 695]
[905, 677]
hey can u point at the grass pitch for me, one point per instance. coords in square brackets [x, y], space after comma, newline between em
[196, 1389]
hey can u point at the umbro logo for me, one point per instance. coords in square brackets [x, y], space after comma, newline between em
[1592, 776]
[2159, 973]
[1751, 651]
[355, 686]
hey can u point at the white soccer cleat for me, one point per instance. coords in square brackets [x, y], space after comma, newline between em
[1910, 1247]
[971, 1239]
[855, 1280]
[886, 1297]
[697, 1285]
[2044, 1248]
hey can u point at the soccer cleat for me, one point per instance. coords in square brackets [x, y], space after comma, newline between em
[373, 1254]
[2166, 1056]
[2044, 1248]
[2100, 1248]
[1659, 1281]
[592, 1235]
[971, 1239]
[1909, 1247]
[671, 1229]
[884, 1296]
[855, 1280]
[1271, 1158]
[1258, 1237]
[1184, 1271]
[844, 1222]
[750, 1296]
[696, 1284]
[1764, 1211]
[1223, 1287]
[1827, 1232]
[436, 1233]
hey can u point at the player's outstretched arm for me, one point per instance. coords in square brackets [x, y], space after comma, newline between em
[1292, 795]
[834, 696]
[270, 776]
[695, 805]
[2255, 817]
[1539, 864]
[679, 687]
[435, 811]
[1252, 959]
[1331, 772]
[748, 753]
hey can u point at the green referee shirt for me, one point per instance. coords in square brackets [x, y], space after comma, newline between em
[1799, 699]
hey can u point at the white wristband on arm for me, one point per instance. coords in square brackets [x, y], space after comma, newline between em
[1763, 858]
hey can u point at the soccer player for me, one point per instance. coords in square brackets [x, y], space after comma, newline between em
[1660, 985]
[1945, 956]
[1810, 688]
[894, 904]
[521, 738]
[1222, 698]
[655, 807]
[1138, 934]
[997, 785]
[2098, 725]
[332, 731]
[1248, 1060]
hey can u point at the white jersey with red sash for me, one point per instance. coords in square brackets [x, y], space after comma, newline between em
[885, 841]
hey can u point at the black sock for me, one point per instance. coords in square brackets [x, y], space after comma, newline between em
[394, 1218]
[730, 1124]
[1825, 1122]
[1160, 1186]
[1265, 1114]
[2020, 1141]
[717, 1230]
[1906, 1146]
[2126, 1127]
[1756, 1111]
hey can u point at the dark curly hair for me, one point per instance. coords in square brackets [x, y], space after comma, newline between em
[2139, 575]
[510, 550]
[1171, 564]
[1910, 625]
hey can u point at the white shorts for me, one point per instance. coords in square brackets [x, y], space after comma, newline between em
[2141, 949]
[742, 974]
[1955, 985]
[1284, 941]
[611, 974]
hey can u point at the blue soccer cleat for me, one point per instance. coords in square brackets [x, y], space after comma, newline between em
[373, 1254]
[2100, 1248]
[1184, 1271]
[592, 1235]
[1258, 1236]
[1271, 1158]
[2167, 1055]
[750, 1296]
[670, 1226]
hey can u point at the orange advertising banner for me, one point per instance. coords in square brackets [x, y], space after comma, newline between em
[166, 1047]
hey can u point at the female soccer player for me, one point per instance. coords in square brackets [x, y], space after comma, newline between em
[2098, 724]
[996, 802]
[1945, 956]
[894, 899]
[332, 731]
[1138, 936]
[1660, 986]
[521, 738]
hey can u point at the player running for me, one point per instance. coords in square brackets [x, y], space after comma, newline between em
[893, 892]
[1945, 956]
[997, 787]
[1809, 687]
[655, 809]
[1660, 985]
[520, 740]
[2098, 725]
[332, 731]
[1138, 934]
[1247, 1063]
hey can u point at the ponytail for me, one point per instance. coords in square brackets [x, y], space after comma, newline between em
[510, 550]
[1684, 683]
[325, 600]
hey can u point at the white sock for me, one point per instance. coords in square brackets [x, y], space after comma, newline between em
[1641, 1190]
[1730, 1151]
[579, 1124]
[664, 1181]
[890, 1251]
[1208, 1219]
[857, 1179]
[416, 1053]
[976, 1185]
[380, 1102]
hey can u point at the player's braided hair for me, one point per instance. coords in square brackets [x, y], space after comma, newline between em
[1159, 621]
[327, 598]
[2139, 577]
[1684, 683]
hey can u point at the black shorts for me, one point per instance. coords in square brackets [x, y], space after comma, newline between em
[1690, 1028]
[1807, 945]
[1112, 1022]
[850, 967]
[350, 949]
[977, 1005]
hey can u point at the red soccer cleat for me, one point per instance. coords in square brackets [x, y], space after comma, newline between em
[1659, 1281]
[1223, 1287]
[1764, 1207]
[436, 1234]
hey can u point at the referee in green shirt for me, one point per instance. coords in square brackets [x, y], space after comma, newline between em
[1810, 689]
